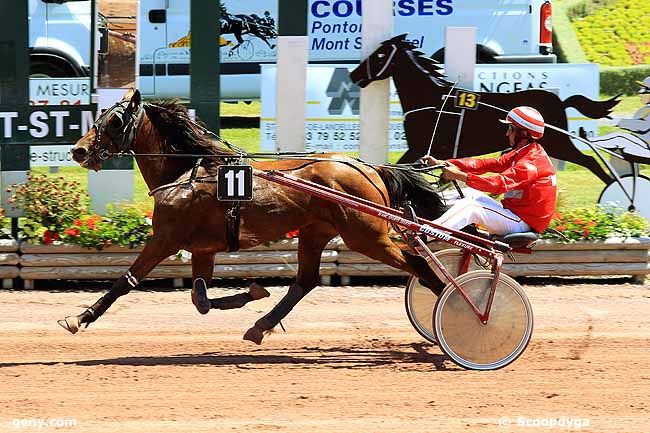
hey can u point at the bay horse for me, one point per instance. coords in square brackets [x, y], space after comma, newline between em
[422, 88]
[187, 214]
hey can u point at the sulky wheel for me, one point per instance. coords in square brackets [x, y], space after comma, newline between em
[467, 341]
[420, 301]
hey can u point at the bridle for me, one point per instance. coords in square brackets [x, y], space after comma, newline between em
[369, 75]
[120, 135]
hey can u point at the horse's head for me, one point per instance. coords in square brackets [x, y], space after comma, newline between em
[114, 131]
[379, 65]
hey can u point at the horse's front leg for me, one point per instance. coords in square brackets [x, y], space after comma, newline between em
[154, 252]
[202, 269]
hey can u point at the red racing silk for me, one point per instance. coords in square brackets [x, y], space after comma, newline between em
[526, 176]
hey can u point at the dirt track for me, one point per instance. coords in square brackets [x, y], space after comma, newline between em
[350, 362]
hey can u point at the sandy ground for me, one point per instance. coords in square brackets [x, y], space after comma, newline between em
[350, 362]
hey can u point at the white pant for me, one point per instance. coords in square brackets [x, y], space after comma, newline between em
[482, 210]
[629, 144]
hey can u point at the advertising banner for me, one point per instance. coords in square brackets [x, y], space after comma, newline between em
[333, 101]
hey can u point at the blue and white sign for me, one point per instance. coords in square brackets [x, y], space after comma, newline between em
[333, 101]
[59, 91]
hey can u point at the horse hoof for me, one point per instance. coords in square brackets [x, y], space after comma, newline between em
[255, 335]
[258, 292]
[200, 296]
[70, 324]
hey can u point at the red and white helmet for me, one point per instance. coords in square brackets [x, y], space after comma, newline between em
[527, 118]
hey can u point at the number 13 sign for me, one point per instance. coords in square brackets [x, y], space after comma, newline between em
[235, 183]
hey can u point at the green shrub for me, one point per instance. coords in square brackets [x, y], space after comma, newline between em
[599, 223]
[50, 203]
[616, 34]
[57, 211]
[622, 80]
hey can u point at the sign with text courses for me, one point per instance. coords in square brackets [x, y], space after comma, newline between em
[333, 101]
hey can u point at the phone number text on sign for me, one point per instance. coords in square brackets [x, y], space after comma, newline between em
[333, 136]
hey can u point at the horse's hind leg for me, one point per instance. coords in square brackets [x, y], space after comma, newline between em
[202, 269]
[312, 241]
[378, 246]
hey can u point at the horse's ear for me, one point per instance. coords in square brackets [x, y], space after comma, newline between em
[129, 94]
[136, 98]
[401, 37]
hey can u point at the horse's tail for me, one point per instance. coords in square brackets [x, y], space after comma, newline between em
[590, 108]
[404, 185]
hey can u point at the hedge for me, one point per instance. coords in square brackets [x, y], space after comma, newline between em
[565, 41]
[616, 80]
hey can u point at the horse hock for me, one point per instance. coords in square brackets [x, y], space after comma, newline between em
[204, 304]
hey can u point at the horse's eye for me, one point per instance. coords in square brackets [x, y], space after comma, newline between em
[116, 121]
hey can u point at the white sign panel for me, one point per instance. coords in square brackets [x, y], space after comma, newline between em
[51, 156]
[59, 91]
[333, 101]
[332, 114]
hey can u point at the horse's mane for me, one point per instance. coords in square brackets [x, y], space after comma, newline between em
[181, 133]
[425, 64]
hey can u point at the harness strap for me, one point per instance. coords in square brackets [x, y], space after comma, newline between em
[233, 217]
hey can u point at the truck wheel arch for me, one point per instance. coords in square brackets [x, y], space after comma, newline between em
[55, 64]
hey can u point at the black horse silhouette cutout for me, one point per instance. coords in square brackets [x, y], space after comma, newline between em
[242, 24]
[423, 88]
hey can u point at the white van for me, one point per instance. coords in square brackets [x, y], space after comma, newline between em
[508, 31]
[59, 38]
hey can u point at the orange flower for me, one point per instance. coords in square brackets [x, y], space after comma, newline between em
[292, 234]
[578, 221]
[72, 231]
[561, 228]
[149, 214]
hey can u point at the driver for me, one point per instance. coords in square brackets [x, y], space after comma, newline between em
[525, 174]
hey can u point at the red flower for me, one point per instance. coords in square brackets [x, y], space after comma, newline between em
[561, 228]
[78, 222]
[292, 234]
[47, 237]
[72, 231]
[90, 223]
[578, 221]
[586, 232]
